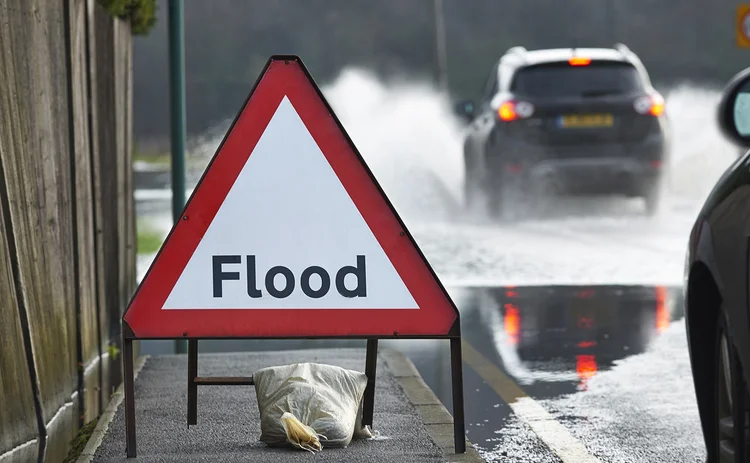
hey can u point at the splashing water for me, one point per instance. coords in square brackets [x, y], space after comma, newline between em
[412, 141]
[700, 154]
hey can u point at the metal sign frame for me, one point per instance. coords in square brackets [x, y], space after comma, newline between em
[453, 334]
[193, 381]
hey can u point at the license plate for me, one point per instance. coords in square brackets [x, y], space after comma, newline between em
[575, 121]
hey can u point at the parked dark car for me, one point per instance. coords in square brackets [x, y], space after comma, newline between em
[564, 121]
[717, 273]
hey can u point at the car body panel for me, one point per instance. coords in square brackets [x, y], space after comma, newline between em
[719, 242]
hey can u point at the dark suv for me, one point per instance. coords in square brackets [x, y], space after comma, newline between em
[565, 121]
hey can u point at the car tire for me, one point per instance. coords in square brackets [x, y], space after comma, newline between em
[652, 199]
[501, 204]
[730, 398]
[475, 201]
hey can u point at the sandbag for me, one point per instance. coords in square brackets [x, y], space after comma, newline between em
[310, 405]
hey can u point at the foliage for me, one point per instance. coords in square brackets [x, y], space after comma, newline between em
[140, 13]
[148, 240]
[113, 351]
[154, 159]
[80, 441]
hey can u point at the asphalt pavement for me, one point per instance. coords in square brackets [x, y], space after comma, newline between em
[411, 423]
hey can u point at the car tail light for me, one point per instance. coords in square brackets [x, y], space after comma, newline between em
[579, 61]
[650, 104]
[586, 368]
[663, 317]
[514, 110]
[512, 323]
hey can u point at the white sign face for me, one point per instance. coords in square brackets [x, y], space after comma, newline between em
[289, 236]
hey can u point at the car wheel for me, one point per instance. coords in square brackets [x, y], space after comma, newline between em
[474, 198]
[470, 192]
[652, 200]
[730, 399]
[500, 204]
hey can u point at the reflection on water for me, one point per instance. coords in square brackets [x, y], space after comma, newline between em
[550, 340]
[566, 334]
[554, 337]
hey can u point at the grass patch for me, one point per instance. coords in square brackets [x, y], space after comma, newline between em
[164, 160]
[79, 442]
[155, 159]
[149, 240]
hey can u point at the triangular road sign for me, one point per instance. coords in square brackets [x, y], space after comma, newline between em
[288, 234]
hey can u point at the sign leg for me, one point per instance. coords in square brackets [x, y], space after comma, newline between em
[127, 359]
[371, 363]
[192, 411]
[459, 427]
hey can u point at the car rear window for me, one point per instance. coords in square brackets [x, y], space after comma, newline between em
[563, 80]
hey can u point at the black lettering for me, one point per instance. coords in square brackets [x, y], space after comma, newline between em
[220, 275]
[325, 282]
[271, 284]
[252, 284]
[359, 272]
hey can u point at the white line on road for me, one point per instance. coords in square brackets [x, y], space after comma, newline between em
[549, 430]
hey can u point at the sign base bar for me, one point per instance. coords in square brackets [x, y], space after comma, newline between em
[225, 381]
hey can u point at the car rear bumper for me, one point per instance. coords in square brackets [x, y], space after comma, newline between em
[609, 175]
[602, 169]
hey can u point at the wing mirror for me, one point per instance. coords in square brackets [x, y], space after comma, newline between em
[465, 109]
[734, 109]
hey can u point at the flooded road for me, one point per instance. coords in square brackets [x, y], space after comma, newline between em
[607, 364]
[574, 339]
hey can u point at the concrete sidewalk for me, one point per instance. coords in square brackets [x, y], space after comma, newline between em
[413, 424]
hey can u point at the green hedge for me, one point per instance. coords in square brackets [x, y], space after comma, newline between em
[140, 13]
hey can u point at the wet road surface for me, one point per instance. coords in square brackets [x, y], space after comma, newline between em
[574, 340]
[606, 365]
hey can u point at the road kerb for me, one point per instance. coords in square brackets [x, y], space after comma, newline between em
[87, 455]
[436, 418]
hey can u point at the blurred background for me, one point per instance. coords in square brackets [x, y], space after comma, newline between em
[228, 42]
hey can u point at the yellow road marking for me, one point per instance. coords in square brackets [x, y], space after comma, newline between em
[549, 430]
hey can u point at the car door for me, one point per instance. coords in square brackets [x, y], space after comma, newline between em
[727, 212]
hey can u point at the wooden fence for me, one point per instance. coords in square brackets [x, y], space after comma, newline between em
[67, 224]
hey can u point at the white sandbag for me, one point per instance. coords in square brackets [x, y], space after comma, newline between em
[324, 398]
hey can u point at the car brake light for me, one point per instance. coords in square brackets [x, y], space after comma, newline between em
[513, 110]
[663, 317]
[512, 323]
[586, 368]
[579, 61]
[650, 104]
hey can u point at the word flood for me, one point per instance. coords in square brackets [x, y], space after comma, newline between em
[281, 290]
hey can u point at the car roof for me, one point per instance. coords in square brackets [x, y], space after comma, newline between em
[551, 55]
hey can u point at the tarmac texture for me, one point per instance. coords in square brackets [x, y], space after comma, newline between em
[228, 428]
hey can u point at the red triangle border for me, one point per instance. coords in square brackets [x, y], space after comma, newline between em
[286, 75]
